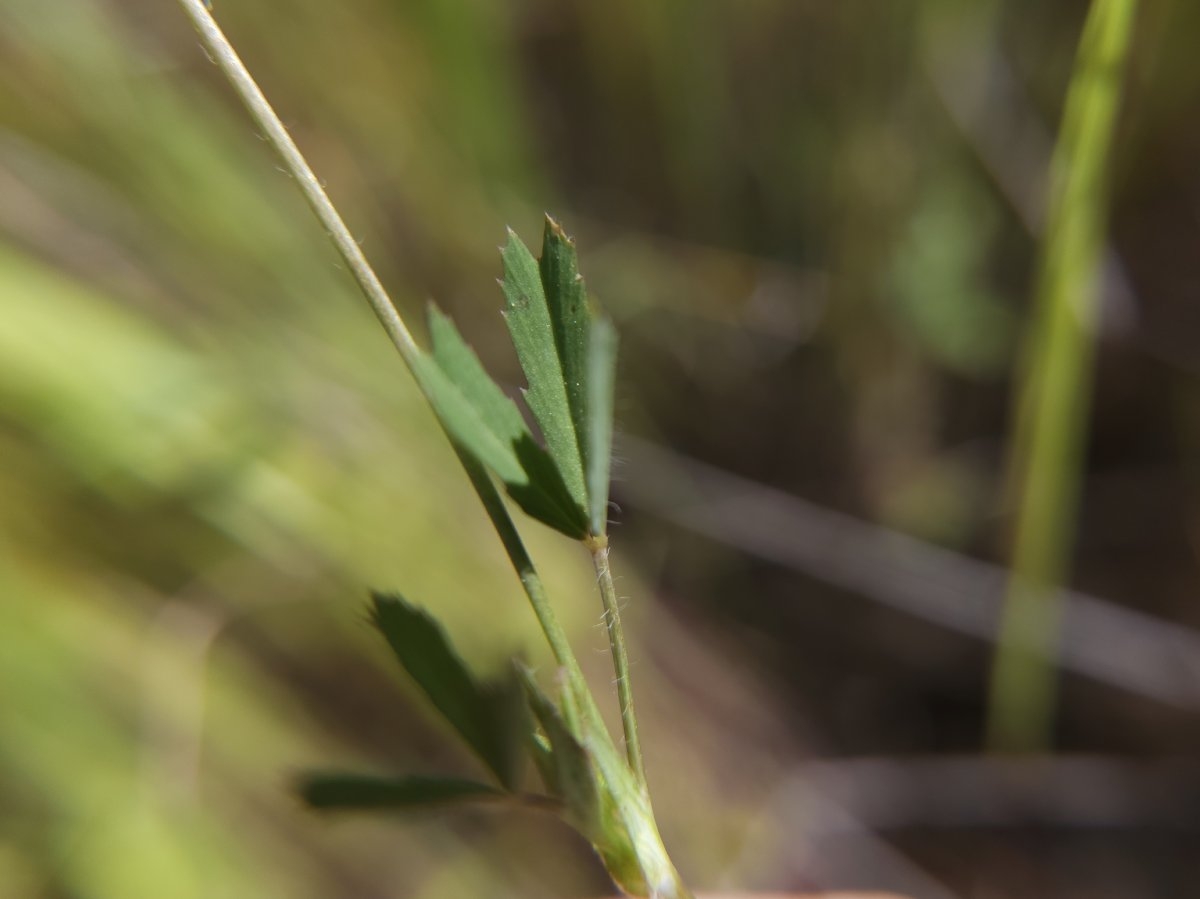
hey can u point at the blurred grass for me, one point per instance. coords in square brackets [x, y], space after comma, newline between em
[208, 451]
[1046, 464]
[183, 464]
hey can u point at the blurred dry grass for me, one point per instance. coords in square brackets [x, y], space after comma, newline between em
[814, 223]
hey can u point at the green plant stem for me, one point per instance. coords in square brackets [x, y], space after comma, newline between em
[641, 815]
[639, 818]
[620, 654]
[226, 59]
[1053, 401]
[518, 555]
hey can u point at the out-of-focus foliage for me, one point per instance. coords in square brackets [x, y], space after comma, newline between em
[814, 225]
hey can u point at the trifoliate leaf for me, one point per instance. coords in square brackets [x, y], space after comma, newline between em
[568, 357]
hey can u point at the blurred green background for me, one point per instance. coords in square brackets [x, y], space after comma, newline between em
[815, 224]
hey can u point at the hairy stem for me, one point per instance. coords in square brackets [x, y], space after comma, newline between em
[616, 642]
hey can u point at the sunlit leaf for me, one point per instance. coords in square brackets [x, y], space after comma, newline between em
[601, 377]
[484, 421]
[533, 333]
[484, 714]
[454, 357]
[570, 320]
[344, 791]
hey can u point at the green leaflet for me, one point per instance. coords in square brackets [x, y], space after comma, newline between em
[570, 321]
[587, 351]
[487, 716]
[481, 419]
[601, 379]
[569, 359]
[497, 412]
[465, 425]
[532, 326]
[346, 791]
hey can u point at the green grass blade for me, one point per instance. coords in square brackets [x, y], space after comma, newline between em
[1053, 402]
[601, 380]
[336, 791]
[484, 714]
[532, 329]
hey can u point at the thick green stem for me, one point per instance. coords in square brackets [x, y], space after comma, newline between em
[616, 642]
[1052, 407]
